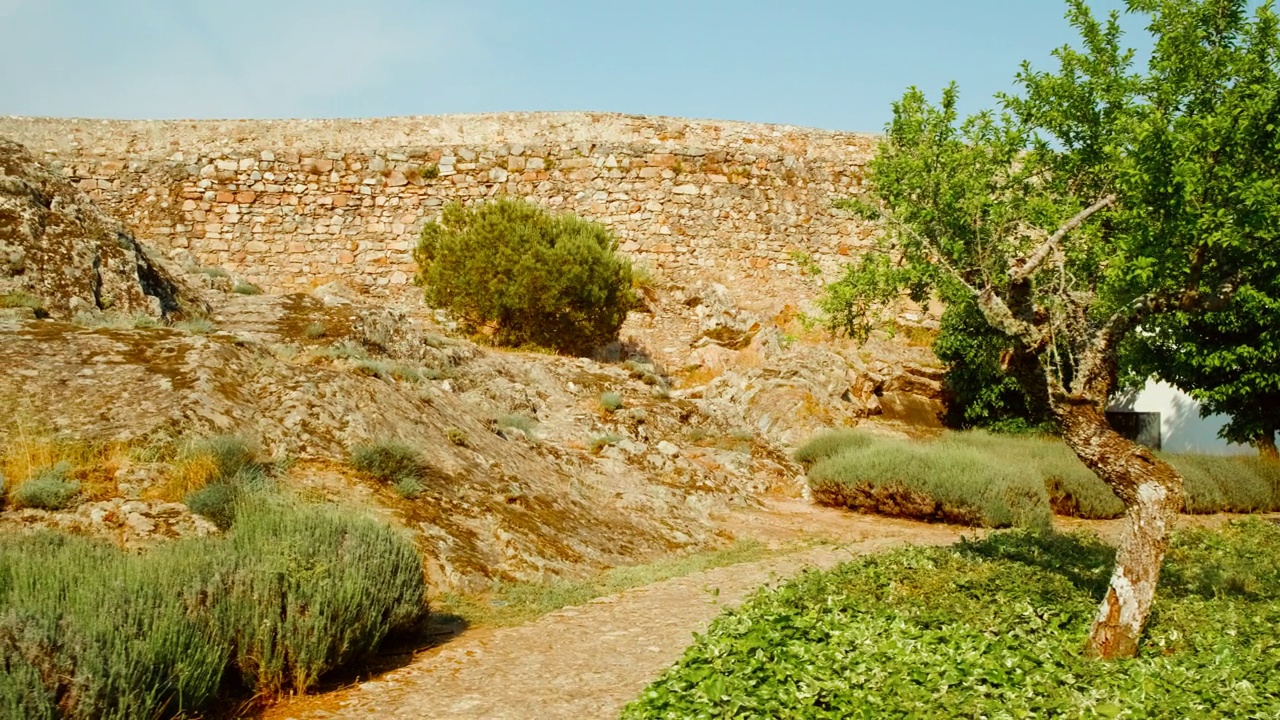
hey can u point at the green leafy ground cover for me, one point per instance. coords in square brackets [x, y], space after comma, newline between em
[980, 478]
[992, 629]
[291, 592]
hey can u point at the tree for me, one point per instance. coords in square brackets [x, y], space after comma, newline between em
[979, 391]
[526, 275]
[1228, 360]
[1097, 200]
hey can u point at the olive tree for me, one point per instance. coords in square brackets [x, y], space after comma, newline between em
[1095, 199]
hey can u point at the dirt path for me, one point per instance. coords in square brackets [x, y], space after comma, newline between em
[589, 661]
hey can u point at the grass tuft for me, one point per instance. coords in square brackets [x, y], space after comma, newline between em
[48, 489]
[393, 463]
[610, 402]
[244, 287]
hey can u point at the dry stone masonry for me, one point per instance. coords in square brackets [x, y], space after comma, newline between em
[292, 204]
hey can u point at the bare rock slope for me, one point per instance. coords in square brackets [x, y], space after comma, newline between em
[537, 465]
[58, 248]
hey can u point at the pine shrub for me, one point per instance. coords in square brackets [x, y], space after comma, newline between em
[528, 276]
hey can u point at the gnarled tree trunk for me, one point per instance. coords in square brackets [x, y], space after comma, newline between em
[1152, 494]
[1266, 444]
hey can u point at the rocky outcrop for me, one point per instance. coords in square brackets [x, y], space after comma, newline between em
[61, 255]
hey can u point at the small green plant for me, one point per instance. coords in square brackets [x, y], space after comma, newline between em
[215, 502]
[805, 263]
[408, 488]
[340, 351]
[521, 423]
[20, 299]
[610, 402]
[49, 488]
[196, 326]
[600, 442]
[216, 473]
[314, 331]
[393, 463]
[387, 370]
[456, 436]
[429, 172]
[215, 272]
[387, 460]
[244, 287]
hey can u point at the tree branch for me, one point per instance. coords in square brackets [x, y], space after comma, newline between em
[992, 305]
[1022, 268]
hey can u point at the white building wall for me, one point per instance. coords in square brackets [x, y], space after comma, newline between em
[1182, 430]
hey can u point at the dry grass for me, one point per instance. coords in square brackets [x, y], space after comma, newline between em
[28, 450]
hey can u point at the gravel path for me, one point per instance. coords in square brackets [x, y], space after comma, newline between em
[586, 661]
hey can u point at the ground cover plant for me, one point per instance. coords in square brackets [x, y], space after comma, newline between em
[857, 470]
[993, 629]
[292, 591]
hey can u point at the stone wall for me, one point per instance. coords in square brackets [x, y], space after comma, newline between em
[294, 203]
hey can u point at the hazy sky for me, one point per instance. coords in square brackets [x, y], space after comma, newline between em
[822, 63]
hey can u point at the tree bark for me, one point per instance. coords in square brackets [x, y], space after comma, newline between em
[1266, 444]
[1152, 494]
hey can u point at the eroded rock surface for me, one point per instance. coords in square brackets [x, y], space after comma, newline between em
[58, 247]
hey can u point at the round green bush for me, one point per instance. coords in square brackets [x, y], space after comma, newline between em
[525, 275]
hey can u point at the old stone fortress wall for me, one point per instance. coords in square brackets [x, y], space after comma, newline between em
[290, 204]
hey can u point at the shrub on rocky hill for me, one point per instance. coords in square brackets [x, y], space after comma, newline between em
[88, 631]
[525, 275]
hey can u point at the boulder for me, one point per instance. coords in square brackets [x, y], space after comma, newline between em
[61, 253]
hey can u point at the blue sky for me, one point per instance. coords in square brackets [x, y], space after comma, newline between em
[818, 63]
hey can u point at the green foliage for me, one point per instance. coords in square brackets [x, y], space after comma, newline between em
[1214, 484]
[20, 299]
[456, 436]
[991, 629]
[386, 370]
[196, 326]
[610, 402]
[1227, 359]
[848, 305]
[336, 585]
[48, 489]
[530, 277]
[978, 391]
[393, 463]
[237, 470]
[600, 442]
[88, 631]
[826, 444]
[944, 480]
[1183, 146]
[521, 423]
[314, 331]
[244, 287]
[216, 502]
[387, 461]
